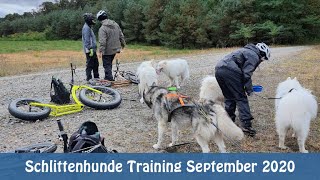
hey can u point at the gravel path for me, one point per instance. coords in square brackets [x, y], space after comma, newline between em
[128, 128]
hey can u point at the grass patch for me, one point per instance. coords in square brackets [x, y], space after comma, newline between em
[23, 46]
[23, 57]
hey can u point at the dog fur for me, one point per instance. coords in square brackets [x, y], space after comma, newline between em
[147, 76]
[174, 69]
[211, 91]
[296, 108]
[188, 116]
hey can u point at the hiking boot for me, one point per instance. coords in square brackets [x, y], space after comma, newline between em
[249, 131]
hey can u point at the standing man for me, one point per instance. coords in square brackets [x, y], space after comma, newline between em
[111, 41]
[233, 74]
[90, 47]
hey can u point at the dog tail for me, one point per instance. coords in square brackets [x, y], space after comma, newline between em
[226, 125]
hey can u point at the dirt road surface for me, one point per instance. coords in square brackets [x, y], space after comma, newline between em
[131, 127]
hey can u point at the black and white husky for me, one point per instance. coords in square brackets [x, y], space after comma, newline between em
[202, 125]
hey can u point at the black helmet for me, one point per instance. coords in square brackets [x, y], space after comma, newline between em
[89, 19]
[102, 15]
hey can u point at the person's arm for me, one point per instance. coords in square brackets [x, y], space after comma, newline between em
[102, 40]
[122, 40]
[249, 66]
[86, 37]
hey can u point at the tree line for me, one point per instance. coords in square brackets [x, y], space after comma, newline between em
[178, 23]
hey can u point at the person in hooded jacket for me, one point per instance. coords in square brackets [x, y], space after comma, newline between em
[90, 47]
[111, 40]
[233, 74]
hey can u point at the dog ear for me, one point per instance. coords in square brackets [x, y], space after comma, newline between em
[289, 78]
[295, 78]
[154, 84]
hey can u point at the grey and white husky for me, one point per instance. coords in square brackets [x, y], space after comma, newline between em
[202, 125]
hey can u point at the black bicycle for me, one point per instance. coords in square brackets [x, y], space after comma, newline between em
[127, 75]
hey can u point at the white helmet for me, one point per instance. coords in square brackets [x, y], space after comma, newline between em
[101, 15]
[265, 49]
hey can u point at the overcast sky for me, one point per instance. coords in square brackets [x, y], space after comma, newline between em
[19, 6]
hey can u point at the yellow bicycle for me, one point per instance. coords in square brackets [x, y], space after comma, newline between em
[98, 97]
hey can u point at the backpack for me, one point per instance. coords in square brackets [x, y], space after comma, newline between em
[58, 92]
[87, 139]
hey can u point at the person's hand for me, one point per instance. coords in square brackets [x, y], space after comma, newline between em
[91, 52]
[250, 93]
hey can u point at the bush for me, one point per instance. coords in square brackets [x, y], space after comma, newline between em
[28, 36]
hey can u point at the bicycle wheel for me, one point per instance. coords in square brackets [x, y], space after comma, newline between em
[128, 75]
[108, 100]
[21, 109]
[37, 148]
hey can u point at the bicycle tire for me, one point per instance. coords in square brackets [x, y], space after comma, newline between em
[37, 148]
[27, 115]
[104, 104]
[128, 75]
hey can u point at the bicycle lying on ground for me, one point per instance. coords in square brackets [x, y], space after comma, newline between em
[122, 78]
[98, 97]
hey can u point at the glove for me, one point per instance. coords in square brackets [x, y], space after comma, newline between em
[250, 93]
[91, 52]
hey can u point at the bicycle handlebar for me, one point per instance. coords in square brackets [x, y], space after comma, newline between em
[60, 126]
[63, 135]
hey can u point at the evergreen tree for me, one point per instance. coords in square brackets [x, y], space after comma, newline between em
[132, 22]
[154, 11]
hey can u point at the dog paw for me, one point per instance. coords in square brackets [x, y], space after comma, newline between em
[156, 146]
[283, 147]
[171, 144]
[304, 151]
[141, 101]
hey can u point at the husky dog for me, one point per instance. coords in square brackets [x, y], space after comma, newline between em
[147, 76]
[210, 91]
[174, 69]
[203, 125]
[295, 108]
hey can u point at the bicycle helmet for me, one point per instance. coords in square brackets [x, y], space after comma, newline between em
[102, 15]
[264, 50]
[89, 19]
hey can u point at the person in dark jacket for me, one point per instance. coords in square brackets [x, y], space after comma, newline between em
[233, 74]
[111, 40]
[90, 47]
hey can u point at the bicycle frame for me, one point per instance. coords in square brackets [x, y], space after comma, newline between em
[59, 110]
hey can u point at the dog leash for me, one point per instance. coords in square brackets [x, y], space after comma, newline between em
[268, 98]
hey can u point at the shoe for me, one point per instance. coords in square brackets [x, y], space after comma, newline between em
[249, 131]
[108, 79]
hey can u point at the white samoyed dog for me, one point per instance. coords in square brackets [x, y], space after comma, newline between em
[295, 109]
[211, 91]
[147, 76]
[174, 69]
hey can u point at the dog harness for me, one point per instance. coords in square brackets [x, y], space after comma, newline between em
[170, 97]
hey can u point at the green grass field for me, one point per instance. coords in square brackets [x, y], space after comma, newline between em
[24, 57]
[22, 46]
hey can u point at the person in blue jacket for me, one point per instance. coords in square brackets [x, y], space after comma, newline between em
[90, 47]
[233, 74]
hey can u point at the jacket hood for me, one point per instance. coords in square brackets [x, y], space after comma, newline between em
[253, 48]
[109, 23]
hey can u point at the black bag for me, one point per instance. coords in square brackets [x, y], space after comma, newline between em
[87, 139]
[58, 92]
